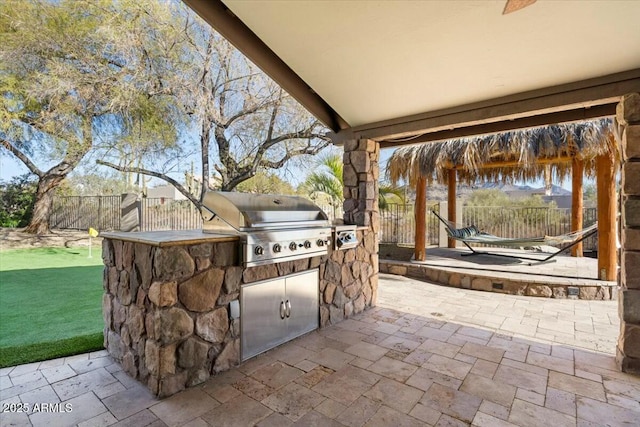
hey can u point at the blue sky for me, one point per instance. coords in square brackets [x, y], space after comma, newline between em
[10, 167]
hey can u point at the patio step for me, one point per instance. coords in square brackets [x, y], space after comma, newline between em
[535, 285]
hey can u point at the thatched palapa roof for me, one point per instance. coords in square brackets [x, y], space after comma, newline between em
[509, 156]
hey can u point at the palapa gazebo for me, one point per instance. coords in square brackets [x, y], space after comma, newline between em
[574, 149]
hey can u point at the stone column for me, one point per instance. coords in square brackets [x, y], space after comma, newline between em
[628, 350]
[361, 175]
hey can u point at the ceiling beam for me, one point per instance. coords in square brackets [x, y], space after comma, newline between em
[578, 97]
[246, 41]
[596, 112]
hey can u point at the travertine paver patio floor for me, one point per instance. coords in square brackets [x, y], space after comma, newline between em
[427, 355]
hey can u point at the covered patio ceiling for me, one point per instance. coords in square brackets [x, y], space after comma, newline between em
[403, 72]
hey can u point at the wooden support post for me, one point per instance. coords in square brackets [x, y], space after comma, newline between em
[421, 219]
[577, 201]
[451, 200]
[607, 250]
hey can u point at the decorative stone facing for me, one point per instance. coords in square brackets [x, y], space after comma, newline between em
[361, 173]
[628, 349]
[595, 291]
[166, 320]
[348, 280]
[170, 329]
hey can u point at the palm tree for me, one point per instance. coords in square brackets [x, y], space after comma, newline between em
[389, 193]
[327, 180]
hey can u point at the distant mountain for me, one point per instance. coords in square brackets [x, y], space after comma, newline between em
[525, 190]
[556, 190]
[438, 192]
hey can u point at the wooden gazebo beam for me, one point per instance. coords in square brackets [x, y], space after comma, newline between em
[577, 201]
[451, 199]
[607, 244]
[421, 223]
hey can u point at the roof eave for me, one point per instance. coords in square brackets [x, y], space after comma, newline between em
[582, 100]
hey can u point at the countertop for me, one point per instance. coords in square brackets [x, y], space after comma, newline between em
[169, 238]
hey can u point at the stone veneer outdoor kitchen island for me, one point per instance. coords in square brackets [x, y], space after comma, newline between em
[168, 294]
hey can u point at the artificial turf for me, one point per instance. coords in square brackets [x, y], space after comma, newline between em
[50, 303]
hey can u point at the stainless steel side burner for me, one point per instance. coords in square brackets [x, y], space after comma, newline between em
[272, 228]
[345, 237]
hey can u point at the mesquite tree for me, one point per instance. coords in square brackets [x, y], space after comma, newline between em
[72, 76]
[241, 120]
[125, 81]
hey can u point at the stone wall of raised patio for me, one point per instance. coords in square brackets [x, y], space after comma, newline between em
[585, 289]
[166, 308]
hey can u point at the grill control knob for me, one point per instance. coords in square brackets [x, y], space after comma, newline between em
[320, 242]
[293, 246]
[307, 244]
[259, 250]
[277, 248]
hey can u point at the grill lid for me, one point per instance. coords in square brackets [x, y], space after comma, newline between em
[249, 212]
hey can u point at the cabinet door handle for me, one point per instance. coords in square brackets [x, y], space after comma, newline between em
[288, 311]
[282, 310]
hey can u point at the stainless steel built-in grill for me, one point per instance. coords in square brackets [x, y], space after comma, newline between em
[272, 228]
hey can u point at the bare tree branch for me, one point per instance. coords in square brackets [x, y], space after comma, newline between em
[304, 134]
[249, 171]
[22, 157]
[162, 176]
[308, 150]
[272, 119]
[239, 177]
[245, 112]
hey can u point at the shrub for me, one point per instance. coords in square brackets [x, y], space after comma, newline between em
[16, 201]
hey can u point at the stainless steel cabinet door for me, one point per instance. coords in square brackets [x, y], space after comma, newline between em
[262, 311]
[303, 303]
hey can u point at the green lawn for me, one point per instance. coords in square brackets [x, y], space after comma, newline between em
[50, 303]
